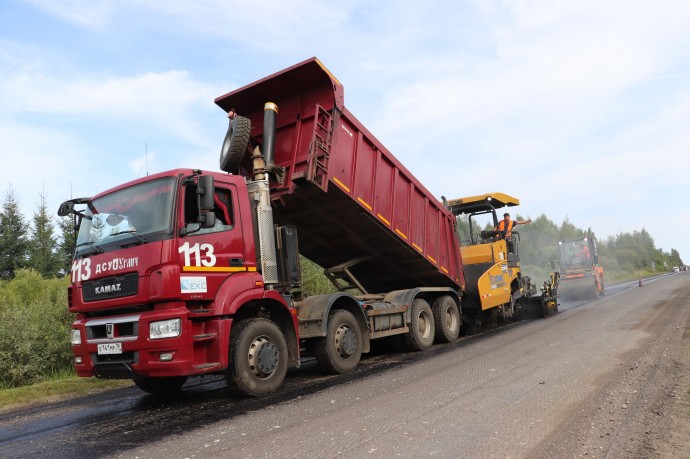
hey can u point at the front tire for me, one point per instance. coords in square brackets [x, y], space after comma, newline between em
[421, 334]
[341, 349]
[446, 319]
[160, 386]
[258, 358]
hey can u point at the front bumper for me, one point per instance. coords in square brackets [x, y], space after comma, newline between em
[200, 348]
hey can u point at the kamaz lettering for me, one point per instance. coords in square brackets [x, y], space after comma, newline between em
[496, 279]
[108, 289]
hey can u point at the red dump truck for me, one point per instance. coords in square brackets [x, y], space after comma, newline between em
[188, 272]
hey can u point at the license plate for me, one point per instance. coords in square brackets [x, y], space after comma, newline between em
[110, 348]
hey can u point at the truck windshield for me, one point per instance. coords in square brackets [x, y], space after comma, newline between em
[128, 216]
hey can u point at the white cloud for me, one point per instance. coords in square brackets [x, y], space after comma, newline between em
[82, 134]
[270, 25]
[170, 100]
[84, 13]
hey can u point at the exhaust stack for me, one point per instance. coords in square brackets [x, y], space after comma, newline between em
[269, 135]
[262, 160]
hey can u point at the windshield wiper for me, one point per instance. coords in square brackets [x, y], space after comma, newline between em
[138, 239]
[94, 247]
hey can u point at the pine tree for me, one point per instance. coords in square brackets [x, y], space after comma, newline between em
[13, 237]
[43, 255]
[66, 245]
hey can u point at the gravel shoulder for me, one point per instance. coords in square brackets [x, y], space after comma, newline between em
[642, 408]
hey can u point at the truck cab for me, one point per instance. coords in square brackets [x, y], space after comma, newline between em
[163, 265]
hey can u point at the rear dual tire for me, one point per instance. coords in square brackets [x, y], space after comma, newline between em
[341, 349]
[422, 328]
[446, 319]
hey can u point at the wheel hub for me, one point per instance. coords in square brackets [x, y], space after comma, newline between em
[345, 341]
[424, 325]
[451, 319]
[263, 357]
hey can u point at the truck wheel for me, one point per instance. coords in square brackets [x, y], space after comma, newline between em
[421, 334]
[235, 144]
[340, 350]
[160, 386]
[258, 358]
[446, 319]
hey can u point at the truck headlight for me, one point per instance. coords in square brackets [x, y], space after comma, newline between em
[165, 329]
[75, 337]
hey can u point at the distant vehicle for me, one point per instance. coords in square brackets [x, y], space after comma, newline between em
[676, 269]
[582, 278]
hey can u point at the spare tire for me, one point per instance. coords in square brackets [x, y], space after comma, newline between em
[235, 144]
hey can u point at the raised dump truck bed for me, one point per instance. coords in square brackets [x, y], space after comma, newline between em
[350, 199]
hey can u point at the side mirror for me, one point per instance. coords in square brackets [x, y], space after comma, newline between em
[65, 209]
[206, 191]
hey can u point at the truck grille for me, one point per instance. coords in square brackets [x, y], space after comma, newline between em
[110, 287]
[125, 327]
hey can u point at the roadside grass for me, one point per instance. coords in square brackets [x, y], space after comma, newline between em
[60, 387]
[624, 276]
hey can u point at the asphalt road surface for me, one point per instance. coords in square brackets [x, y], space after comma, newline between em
[608, 378]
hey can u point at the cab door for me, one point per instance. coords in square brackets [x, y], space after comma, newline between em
[207, 256]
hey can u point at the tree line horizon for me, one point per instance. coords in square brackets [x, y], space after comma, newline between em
[46, 244]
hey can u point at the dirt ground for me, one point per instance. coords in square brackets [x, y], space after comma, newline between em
[644, 411]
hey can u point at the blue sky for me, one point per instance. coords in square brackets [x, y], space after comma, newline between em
[579, 108]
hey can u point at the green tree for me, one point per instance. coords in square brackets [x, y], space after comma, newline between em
[569, 232]
[636, 251]
[539, 243]
[675, 258]
[34, 329]
[43, 256]
[66, 245]
[463, 229]
[13, 237]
